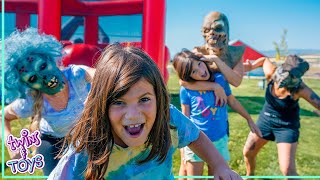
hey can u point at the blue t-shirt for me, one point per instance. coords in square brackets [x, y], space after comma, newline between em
[58, 123]
[122, 162]
[211, 119]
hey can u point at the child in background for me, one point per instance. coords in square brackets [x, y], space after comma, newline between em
[202, 110]
[128, 130]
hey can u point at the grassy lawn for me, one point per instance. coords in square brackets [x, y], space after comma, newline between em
[252, 98]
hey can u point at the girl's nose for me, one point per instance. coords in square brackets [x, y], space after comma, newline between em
[132, 113]
[201, 71]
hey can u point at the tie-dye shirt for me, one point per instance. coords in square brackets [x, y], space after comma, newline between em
[122, 163]
[208, 117]
[58, 123]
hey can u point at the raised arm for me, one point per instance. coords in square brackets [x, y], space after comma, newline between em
[233, 75]
[237, 106]
[204, 148]
[248, 66]
[309, 95]
[265, 63]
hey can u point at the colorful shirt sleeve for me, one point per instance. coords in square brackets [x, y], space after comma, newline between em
[71, 166]
[184, 98]
[219, 78]
[187, 131]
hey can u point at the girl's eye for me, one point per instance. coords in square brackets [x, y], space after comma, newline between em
[118, 103]
[199, 63]
[43, 66]
[193, 72]
[145, 99]
[32, 79]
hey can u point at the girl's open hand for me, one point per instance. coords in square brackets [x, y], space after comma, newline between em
[254, 128]
[220, 95]
[247, 65]
[226, 174]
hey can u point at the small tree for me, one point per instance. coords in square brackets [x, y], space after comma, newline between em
[282, 49]
[276, 47]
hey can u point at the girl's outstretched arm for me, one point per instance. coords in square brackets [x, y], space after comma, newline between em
[237, 106]
[204, 148]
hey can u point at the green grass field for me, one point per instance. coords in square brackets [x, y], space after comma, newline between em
[252, 98]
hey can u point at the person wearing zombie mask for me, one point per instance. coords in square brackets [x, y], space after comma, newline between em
[279, 119]
[35, 87]
[219, 56]
[226, 59]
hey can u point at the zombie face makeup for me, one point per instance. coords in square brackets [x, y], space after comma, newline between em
[215, 30]
[41, 73]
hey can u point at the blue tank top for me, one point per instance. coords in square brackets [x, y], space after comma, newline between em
[286, 109]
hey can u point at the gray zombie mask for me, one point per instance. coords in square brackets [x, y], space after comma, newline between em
[40, 72]
[215, 30]
[289, 74]
[285, 79]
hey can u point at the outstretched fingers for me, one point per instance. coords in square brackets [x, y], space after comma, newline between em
[228, 175]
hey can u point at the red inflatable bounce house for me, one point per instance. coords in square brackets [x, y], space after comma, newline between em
[87, 26]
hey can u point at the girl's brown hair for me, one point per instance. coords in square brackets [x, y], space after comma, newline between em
[118, 69]
[182, 63]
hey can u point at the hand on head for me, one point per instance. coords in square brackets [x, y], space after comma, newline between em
[254, 128]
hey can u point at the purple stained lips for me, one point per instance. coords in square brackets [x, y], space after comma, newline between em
[134, 130]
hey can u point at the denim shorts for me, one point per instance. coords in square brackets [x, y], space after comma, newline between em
[49, 148]
[221, 145]
[275, 129]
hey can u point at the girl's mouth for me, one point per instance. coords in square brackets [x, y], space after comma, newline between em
[205, 74]
[134, 130]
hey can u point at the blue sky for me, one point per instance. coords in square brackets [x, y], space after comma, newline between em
[257, 23]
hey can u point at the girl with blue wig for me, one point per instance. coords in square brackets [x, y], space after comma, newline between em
[35, 87]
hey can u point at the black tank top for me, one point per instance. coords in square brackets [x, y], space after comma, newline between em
[286, 109]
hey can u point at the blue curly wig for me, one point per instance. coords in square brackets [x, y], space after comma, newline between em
[18, 46]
